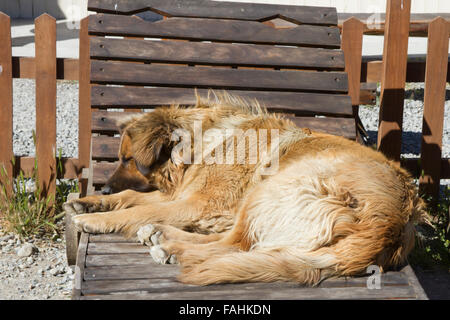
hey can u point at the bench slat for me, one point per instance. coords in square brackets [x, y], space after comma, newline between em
[268, 294]
[226, 10]
[224, 54]
[300, 103]
[216, 78]
[116, 248]
[172, 289]
[105, 122]
[151, 270]
[108, 260]
[214, 30]
[107, 148]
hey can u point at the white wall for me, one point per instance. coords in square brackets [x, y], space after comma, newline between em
[75, 8]
[33, 8]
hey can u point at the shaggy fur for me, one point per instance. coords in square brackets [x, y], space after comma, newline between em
[333, 208]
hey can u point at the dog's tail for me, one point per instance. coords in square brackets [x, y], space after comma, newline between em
[262, 265]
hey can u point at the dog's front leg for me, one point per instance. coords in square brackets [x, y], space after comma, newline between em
[116, 201]
[178, 213]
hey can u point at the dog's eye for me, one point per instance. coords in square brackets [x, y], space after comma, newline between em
[125, 160]
[142, 169]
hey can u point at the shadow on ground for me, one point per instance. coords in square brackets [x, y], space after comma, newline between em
[435, 283]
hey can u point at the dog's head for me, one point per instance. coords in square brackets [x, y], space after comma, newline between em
[145, 154]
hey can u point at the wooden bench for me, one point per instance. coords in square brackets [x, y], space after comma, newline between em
[137, 64]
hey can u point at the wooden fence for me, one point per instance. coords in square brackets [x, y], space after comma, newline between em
[392, 70]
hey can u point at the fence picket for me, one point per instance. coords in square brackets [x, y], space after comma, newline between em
[395, 57]
[434, 102]
[6, 101]
[46, 102]
[84, 102]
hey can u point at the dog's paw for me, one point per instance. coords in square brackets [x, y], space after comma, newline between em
[85, 205]
[161, 256]
[150, 235]
[91, 223]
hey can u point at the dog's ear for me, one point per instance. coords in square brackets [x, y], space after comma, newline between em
[148, 145]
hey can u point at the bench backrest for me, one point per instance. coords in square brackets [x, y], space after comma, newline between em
[287, 57]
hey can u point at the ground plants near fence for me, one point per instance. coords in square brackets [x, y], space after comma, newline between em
[25, 209]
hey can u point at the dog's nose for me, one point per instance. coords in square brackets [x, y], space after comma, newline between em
[106, 190]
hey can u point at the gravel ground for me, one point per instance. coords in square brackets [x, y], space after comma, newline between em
[33, 269]
[44, 274]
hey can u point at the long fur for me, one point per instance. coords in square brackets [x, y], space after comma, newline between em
[333, 208]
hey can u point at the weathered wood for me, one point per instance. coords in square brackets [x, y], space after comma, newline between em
[299, 103]
[216, 78]
[25, 68]
[107, 148]
[219, 10]
[72, 236]
[116, 248]
[418, 22]
[166, 289]
[84, 104]
[102, 171]
[151, 270]
[414, 282]
[216, 54]
[6, 103]
[434, 104]
[344, 127]
[110, 237]
[46, 102]
[126, 259]
[352, 38]
[80, 265]
[393, 78]
[70, 167]
[214, 30]
[368, 93]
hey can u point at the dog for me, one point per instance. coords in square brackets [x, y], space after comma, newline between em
[331, 207]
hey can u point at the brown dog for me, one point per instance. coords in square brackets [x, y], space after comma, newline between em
[331, 207]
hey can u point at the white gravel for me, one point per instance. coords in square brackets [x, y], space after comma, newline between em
[24, 117]
[39, 274]
[44, 274]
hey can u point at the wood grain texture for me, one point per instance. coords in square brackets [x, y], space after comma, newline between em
[103, 72]
[25, 68]
[107, 147]
[116, 248]
[216, 54]
[80, 265]
[218, 10]
[295, 102]
[352, 39]
[46, 102]
[84, 104]
[214, 30]
[434, 104]
[70, 167]
[6, 101]
[269, 294]
[393, 78]
[127, 259]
